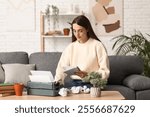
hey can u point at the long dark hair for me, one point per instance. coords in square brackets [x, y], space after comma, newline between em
[84, 22]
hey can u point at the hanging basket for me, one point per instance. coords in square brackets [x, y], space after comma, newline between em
[95, 92]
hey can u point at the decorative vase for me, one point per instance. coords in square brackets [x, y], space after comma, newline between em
[95, 92]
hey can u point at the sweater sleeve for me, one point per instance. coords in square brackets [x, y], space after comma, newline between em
[64, 61]
[103, 61]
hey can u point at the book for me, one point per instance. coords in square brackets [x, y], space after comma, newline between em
[69, 70]
[6, 86]
[7, 91]
[7, 94]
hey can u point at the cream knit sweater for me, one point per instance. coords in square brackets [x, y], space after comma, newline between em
[89, 56]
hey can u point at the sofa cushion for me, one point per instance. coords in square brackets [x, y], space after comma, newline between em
[143, 95]
[137, 82]
[14, 57]
[123, 66]
[46, 61]
[128, 93]
[2, 76]
[17, 73]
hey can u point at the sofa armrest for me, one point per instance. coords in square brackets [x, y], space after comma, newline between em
[137, 82]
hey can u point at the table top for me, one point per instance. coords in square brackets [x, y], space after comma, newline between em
[105, 95]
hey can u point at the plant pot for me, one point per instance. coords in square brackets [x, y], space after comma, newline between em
[95, 92]
[18, 89]
[66, 31]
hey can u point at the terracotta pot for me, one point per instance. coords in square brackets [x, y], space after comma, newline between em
[95, 92]
[18, 89]
[66, 31]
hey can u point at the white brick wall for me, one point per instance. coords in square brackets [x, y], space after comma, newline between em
[136, 16]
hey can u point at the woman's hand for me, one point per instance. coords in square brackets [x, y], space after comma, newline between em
[81, 73]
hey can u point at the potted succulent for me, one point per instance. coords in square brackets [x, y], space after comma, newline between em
[98, 83]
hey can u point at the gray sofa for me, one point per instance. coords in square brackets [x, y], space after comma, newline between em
[125, 75]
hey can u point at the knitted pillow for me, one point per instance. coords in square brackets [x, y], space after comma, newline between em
[17, 73]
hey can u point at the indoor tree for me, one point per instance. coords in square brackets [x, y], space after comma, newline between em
[137, 44]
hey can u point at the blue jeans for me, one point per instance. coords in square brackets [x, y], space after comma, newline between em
[68, 83]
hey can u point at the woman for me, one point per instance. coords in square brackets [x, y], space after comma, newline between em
[86, 52]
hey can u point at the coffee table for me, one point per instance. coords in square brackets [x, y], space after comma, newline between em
[105, 95]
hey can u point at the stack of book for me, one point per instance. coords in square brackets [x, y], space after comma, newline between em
[6, 89]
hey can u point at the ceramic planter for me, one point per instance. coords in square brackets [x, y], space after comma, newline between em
[95, 92]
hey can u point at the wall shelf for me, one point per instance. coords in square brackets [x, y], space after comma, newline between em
[42, 27]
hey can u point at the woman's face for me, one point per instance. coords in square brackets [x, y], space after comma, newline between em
[80, 33]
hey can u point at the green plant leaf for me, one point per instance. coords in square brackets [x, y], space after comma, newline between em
[135, 44]
[95, 79]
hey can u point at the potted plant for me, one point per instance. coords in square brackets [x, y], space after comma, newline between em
[55, 14]
[66, 31]
[47, 15]
[52, 12]
[136, 44]
[98, 83]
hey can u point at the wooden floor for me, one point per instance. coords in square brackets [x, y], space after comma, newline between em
[105, 95]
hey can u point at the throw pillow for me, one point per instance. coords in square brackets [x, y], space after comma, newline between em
[17, 73]
[137, 82]
[2, 75]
